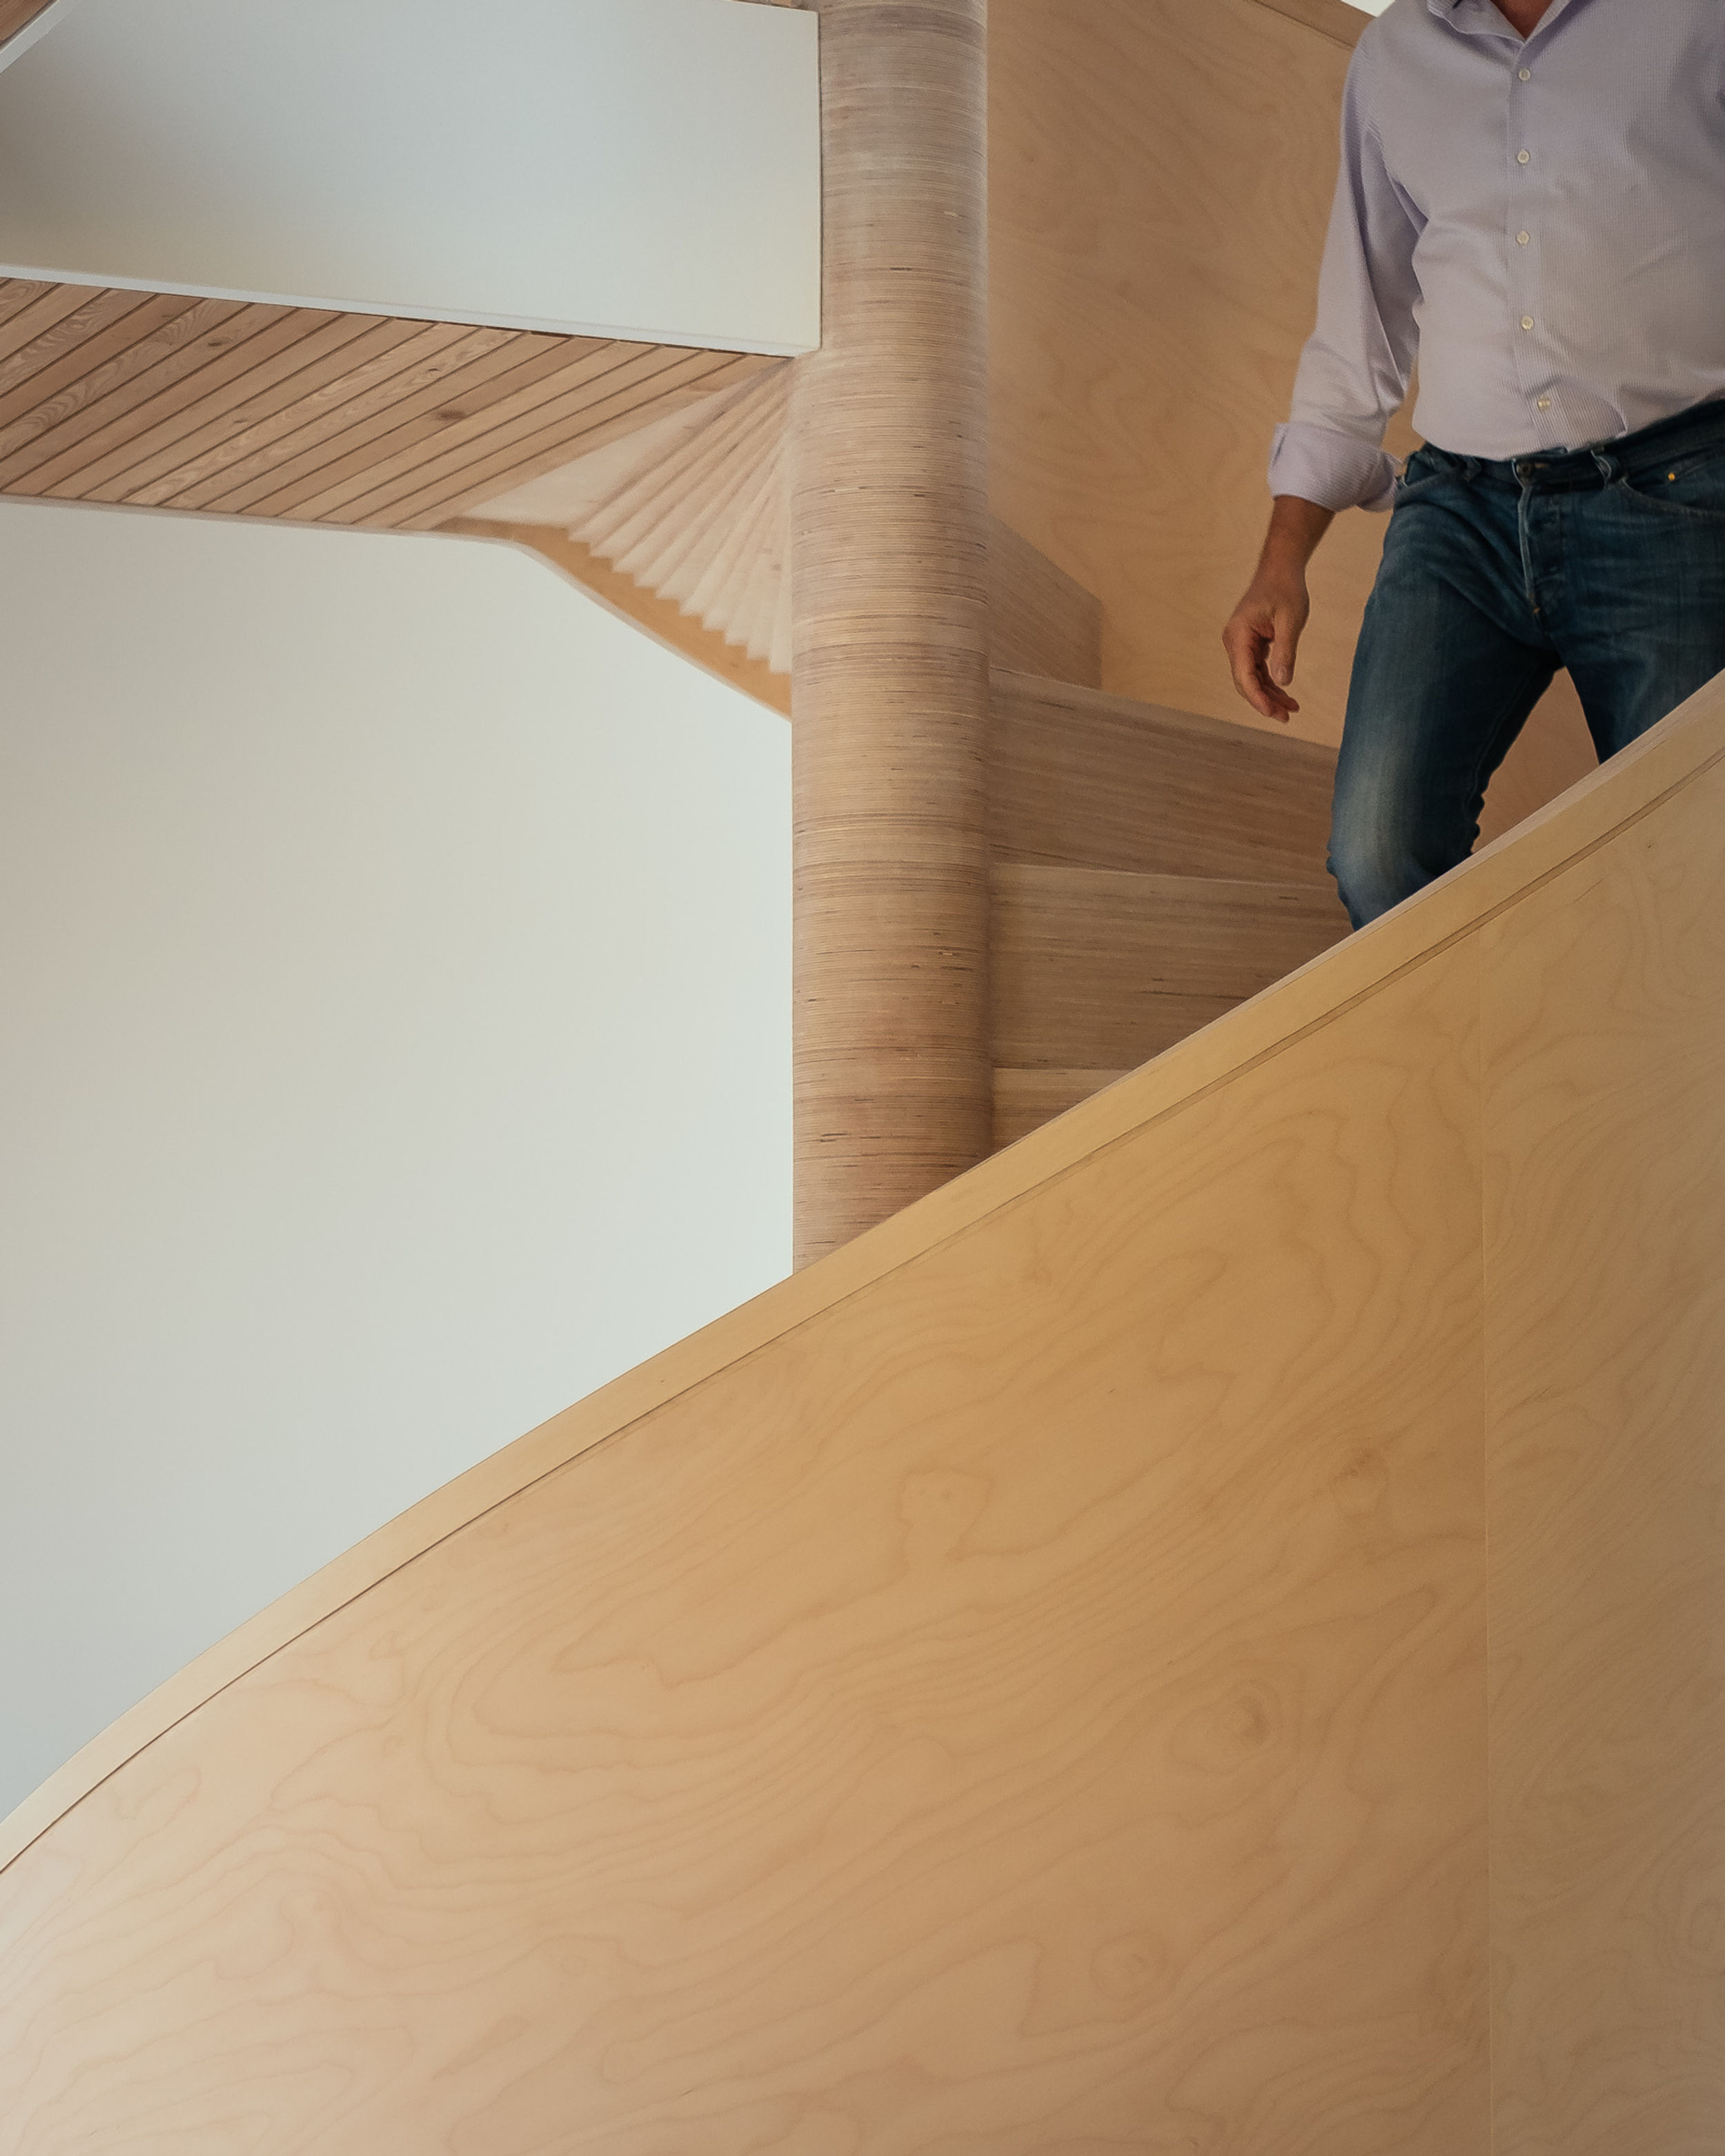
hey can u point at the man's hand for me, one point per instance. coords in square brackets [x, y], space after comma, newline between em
[1262, 638]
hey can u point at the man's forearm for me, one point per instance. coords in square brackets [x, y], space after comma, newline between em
[1295, 527]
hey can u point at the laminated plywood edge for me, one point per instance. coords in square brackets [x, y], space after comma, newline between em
[1334, 20]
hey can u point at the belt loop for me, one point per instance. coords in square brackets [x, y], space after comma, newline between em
[1610, 471]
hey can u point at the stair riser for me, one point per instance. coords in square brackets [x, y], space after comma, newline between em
[1088, 781]
[1102, 971]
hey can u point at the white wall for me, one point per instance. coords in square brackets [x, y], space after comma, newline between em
[638, 168]
[394, 952]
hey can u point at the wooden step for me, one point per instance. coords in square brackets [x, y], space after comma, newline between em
[1041, 620]
[1083, 780]
[1100, 969]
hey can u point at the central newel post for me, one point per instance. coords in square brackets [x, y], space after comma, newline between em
[890, 696]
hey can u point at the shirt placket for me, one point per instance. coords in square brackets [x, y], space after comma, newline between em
[1529, 191]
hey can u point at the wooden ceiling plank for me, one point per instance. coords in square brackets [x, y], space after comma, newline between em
[324, 362]
[326, 441]
[161, 400]
[169, 416]
[543, 411]
[16, 15]
[518, 400]
[415, 419]
[550, 430]
[447, 424]
[179, 343]
[17, 293]
[330, 410]
[547, 408]
[225, 406]
[543, 453]
[87, 372]
[41, 314]
[70, 348]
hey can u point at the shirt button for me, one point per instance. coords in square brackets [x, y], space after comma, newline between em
[1521, 238]
[1527, 322]
[1527, 74]
[1545, 404]
[1524, 157]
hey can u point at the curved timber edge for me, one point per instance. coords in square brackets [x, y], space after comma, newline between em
[1604, 806]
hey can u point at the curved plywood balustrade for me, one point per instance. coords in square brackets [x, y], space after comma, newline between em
[1026, 1684]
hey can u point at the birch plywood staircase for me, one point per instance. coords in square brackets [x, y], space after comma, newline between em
[1151, 868]
[1204, 1633]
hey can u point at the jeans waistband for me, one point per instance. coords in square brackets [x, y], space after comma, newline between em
[1702, 427]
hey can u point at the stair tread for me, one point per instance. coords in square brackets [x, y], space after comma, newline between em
[1083, 779]
[1228, 733]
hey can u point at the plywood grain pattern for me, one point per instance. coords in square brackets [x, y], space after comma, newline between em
[1333, 19]
[1099, 970]
[1081, 780]
[1159, 186]
[1025, 1099]
[1604, 1059]
[166, 402]
[1038, 1705]
[1612, 801]
[892, 1077]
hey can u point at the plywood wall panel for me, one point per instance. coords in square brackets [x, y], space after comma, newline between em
[1605, 1067]
[1062, 1675]
[1159, 186]
[1026, 1708]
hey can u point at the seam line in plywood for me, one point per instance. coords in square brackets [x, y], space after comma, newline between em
[940, 1242]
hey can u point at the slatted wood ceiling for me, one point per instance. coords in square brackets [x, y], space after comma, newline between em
[16, 15]
[166, 402]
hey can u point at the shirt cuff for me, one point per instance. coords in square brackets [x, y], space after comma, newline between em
[1337, 471]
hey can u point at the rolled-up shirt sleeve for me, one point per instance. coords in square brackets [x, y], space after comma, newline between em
[1354, 371]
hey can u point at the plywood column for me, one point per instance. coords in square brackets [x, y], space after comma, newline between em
[888, 440]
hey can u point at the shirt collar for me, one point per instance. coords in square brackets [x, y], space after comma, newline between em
[1479, 19]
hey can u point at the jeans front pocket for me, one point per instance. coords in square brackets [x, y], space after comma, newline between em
[1689, 487]
[1421, 479]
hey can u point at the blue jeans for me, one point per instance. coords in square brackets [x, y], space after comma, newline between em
[1608, 561]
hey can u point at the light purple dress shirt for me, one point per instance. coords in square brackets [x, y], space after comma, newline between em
[1540, 225]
